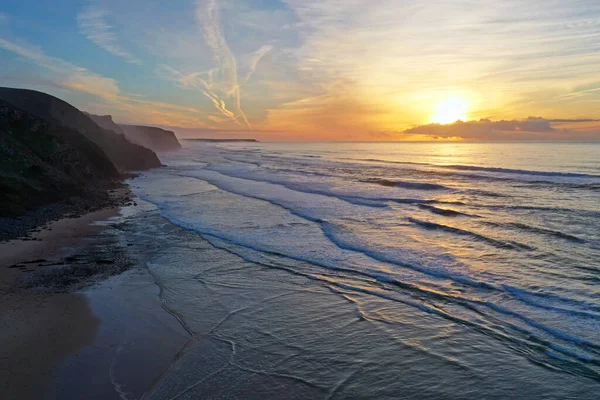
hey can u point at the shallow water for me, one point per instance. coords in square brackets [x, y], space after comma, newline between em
[380, 270]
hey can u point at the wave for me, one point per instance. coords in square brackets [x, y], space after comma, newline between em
[567, 185]
[329, 168]
[378, 181]
[485, 169]
[486, 193]
[580, 212]
[526, 183]
[444, 211]
[494, 242]
[377, 202]
[519, 294]
[333, 171]
[518, 171]
[256, 163]
[385, 161]
[516, 335]
[538, 230]
[406, 184]
[422, 290]
[327, 230]
[326, 227]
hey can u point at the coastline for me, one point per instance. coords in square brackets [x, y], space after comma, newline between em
[174, 311]
[64, 291]
[41, 326]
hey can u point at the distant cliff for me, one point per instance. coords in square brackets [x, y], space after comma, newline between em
[106, 122]
[42, 163]
[153, 138]
[223, 140]
[59, 114]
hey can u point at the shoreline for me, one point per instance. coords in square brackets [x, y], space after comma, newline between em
[80, 311]
[26, 226]
[43, 317]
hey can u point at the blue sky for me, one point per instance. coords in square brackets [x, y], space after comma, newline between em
[308, 69]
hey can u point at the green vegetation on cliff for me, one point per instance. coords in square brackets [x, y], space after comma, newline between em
[41, 164]
[59, 114]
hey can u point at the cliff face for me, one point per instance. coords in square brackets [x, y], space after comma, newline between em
[41, 164]
[58, 114]
[153, 138]
[106, 122]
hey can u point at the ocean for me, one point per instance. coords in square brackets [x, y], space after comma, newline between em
[387, 270]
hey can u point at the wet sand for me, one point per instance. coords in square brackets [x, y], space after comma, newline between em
[37, 332]
[77, 314]
[39, 328]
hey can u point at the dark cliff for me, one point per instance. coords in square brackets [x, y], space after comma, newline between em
[57, 114]
[42, 163]
[155, 139]
[210, 140]
[151, 137]
[106, 122]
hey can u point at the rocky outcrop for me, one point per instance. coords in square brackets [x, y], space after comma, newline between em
[153, 138]
[58, 114]
[42, 163]
[210, 140]
[106, 122]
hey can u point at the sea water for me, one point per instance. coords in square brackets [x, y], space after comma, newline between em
[388, 270]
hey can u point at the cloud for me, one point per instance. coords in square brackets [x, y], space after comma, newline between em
[70, 76]
[532, 128]
[255, 59]
[207, 14]
[341, 111]
[92, 24]
[127, 106]
[459, 46]
[192, 80]
[203, 81]
[3, 17]
[339, 70]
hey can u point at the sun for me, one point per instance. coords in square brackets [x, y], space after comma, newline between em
[450, 110]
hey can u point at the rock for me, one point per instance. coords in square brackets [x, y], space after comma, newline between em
[58, 114]
[157, 139]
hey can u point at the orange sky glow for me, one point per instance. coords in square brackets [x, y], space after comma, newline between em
[311, 70]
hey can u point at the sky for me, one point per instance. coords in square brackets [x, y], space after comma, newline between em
[317, 69]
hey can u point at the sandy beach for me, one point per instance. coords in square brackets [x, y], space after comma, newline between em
[41, 326]
[48, 282]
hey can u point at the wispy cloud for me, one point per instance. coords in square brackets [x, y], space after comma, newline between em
[3, 17]
[579, 93]
[69, 76]
[330, 69]
[207, 14]
[92, 24]
[202, 81]
[400, 52]
[255, 59]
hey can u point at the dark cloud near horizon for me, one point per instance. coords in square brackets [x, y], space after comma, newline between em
[532, 128]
